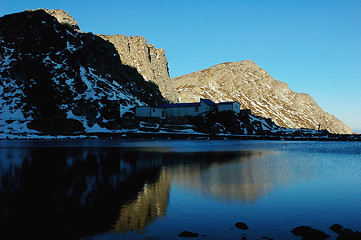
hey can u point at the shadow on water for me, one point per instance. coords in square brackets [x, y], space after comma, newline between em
[69, 193]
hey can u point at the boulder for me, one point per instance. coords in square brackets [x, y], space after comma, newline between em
[188, 234]
[241, 225]
[309, 233]
[348, 234]
[336, 228]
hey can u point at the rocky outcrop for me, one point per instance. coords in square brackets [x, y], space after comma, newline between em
[53, 77]
[62, 17]
[150, 62]
[255, 89]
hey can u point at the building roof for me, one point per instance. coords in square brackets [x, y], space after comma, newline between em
[209, 102]
[172, 105]
[221, 103]
[145, 107]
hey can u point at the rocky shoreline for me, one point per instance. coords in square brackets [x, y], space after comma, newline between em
[306, 232]
[181, 136]
[212, 126]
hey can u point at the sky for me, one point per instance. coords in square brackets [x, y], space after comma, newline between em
[312, 45]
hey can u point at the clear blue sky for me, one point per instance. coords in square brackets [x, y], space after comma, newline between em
[314, 46]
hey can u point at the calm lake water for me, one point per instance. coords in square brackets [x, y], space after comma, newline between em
[110, 189]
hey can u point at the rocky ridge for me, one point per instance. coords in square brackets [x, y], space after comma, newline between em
[62, 17]
[150, 62]
[256, 90]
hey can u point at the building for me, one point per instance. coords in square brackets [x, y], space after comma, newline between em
[186, 109]
[229, 106]
[189, 109]
[144, 111]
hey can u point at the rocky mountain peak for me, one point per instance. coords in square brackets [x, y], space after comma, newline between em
[63, 17]
[134, 51]
[255, 89]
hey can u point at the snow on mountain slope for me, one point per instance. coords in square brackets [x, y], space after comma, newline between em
[54, 78]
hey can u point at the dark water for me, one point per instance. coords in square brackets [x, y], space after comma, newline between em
[92, 189]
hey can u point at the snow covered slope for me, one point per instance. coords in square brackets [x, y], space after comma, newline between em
[57, 79]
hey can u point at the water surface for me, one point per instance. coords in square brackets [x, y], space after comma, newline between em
[110, 189]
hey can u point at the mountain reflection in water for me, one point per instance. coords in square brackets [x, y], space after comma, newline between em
[71, 193]
[223, 178]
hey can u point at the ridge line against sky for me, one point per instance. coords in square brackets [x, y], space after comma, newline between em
[313, 46]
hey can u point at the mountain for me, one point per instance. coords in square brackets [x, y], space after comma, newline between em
[57, 79]
[256, 90]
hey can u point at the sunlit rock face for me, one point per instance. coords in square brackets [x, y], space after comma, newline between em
[56, 79]
[150, 62]
[255, 89]
[63, 17]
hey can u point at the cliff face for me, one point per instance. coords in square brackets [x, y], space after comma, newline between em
[255, 89]
[150, 62]
[63, 17]
[56, 78]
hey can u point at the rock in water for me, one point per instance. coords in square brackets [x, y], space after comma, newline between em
[255, 89]
[309, 233]
[188, 234]
[348, 234]
[241, 225]
[336, 228]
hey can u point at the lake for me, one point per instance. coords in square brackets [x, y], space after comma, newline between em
[117, 189]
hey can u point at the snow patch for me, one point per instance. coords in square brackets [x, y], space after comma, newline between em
[125, 109]
[96, 128]
[48, 60]
[15, 127]
[71, 48]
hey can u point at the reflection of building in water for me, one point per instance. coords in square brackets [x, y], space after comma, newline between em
[246, 178]
[151, 203]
